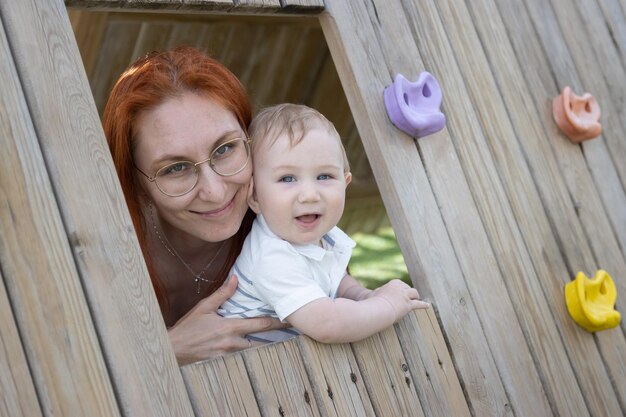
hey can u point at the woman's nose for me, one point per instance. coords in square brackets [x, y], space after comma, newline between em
[211, 186]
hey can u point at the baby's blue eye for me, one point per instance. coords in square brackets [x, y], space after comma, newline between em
[324, 177]
[287, 178]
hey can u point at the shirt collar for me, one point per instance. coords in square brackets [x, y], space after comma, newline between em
[335, 239]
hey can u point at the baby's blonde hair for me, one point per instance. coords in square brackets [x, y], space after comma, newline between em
[294, 120]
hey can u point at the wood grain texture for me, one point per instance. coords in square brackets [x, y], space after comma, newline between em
[207, 6]
[616, 22]
[261, 4]
[117, 51]
[588, 204]
[612, 96]
[475, 252]
[297, 6]
[113, 275]
[335, 378]
[373, 377]
[544, 264]
[280, 381]
[48, 304]
[358, 55]
[302, 3]
[596, 152]
[153, 4]
[95, 3]
[17, 390]
[598, 155]
[387, 375]
[221, 387]
[89, 29]
[568, 63]
[588, 41]
[430, 365]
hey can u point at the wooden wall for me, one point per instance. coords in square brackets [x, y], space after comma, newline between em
[494, 214]
[499, 211]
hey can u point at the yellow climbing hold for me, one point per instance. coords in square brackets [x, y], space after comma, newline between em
[591, 302]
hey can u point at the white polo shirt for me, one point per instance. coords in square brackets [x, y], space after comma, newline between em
[276, 277]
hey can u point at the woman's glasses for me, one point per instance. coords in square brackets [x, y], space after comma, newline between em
[179, 178]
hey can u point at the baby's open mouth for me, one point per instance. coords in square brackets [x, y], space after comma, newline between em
[308, 218]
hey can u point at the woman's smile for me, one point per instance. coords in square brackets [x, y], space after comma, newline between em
[224, 210]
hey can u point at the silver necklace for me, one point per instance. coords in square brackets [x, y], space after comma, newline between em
[199, 277]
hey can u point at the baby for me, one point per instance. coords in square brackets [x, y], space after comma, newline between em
[293, 263]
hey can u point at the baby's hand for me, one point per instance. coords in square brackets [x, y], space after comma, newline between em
[401, 297]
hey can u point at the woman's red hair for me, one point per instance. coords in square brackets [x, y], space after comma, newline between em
[147, 83]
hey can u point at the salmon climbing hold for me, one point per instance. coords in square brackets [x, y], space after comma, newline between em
[591, 302]
[577, 117]
[413, 107]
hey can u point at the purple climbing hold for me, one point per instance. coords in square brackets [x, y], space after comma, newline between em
[413, 107]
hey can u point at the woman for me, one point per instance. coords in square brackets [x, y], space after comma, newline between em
[176, 125]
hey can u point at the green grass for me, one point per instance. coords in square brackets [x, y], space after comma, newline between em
[377, 259]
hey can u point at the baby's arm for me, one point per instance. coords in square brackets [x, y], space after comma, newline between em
[343, 320]
[351, 289]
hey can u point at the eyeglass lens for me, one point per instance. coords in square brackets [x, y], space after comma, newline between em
[180, 177]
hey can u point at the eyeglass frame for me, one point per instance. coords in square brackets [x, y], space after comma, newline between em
[247, 141]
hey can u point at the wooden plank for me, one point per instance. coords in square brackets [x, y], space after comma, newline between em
[152, 36]
[302, 3]
[113, 4]
[596, 152]
[220, 387]
[337, 383]
[616, 21]
[258, 62]
[88, 29]
[115, 54]
[598, 231]
[297, 6]
[291, 63]
[598, 235]
[218, 39]
[588, 42]
[169, 5]
[431, 366]
[213, 5]
[114, 278]
[605, 41]
[510, 250]
[389, 380]
[256, 6]
[186, 33]
[18, 396]
[408, 197]
[469, 235]
[279, 380]
[260, 4]
[240, 64]
[543, 250]
[558, 43]
[51, 312]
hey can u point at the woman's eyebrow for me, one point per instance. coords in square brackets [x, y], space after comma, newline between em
[230, 134]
